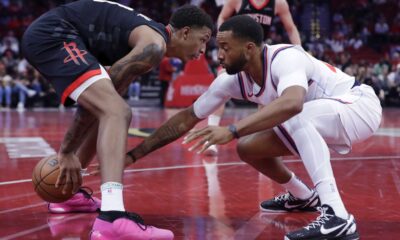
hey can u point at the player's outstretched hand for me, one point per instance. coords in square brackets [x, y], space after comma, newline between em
[208, 136]
[70, 172]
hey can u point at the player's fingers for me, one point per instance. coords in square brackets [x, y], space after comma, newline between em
[68, 181]
[60, 178]
[198, 144]
[193, 136]
[206, 145]
[75, 181]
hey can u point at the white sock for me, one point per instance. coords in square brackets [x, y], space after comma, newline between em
[297, 188]
[213, 120]
[111, 197]
[314, 152]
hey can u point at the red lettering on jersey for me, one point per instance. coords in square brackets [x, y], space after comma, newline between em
[74, 53]
[259, 4]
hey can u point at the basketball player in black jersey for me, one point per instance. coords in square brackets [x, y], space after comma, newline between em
[263, 11]
[69, 46]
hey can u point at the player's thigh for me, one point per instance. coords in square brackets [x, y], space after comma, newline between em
[263, 144]
[324, 115]
[101, 98]
[363, 117]
[342, 123]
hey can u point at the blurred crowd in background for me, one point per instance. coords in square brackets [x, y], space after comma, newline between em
[362, 37]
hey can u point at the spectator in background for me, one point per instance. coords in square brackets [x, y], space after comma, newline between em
[381, 31]
[11, 42]
[355, 41]
[395, 28]
[393, 84]
[166, 69]
[10, 61]
[263, 12]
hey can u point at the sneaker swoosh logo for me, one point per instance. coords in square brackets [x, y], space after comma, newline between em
[289, 206]
[325, 231]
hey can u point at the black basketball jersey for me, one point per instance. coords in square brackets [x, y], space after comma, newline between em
[104, 26]
[263, 12]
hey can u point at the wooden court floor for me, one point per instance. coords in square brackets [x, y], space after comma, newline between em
[195, 196]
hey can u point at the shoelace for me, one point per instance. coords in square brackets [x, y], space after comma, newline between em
[137, 219]
[284, 197]
[87, 192]
[320, 220]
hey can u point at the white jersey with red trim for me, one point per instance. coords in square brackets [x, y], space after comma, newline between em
[284, 66]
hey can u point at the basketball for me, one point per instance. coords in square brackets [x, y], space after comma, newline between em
[44, 179]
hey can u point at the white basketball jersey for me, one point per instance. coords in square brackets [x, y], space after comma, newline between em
[284, 66]
[289, 65]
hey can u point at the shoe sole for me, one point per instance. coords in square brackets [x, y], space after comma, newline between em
[287, 211]
[354, 236]
[60, 211]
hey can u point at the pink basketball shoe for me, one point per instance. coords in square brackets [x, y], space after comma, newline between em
[82, 201]
[113, 225]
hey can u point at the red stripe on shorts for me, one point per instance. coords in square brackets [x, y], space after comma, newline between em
[81, 79]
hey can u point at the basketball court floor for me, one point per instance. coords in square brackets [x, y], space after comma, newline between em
[195, 196]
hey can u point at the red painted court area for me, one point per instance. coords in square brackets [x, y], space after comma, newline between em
[195, 196]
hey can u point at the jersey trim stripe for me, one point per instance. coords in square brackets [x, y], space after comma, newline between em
[241, 85]
[265, 71]
[288, 138]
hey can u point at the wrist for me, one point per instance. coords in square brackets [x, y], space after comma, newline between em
[233, 130]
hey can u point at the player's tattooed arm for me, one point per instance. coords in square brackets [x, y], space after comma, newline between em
[171, 130]
[139, 61]
[81, 124]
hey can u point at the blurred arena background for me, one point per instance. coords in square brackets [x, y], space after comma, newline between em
[361, 37]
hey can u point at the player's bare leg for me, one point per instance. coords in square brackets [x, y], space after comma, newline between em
[263, 151]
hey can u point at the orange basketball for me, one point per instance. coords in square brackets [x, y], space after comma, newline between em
[44, 178]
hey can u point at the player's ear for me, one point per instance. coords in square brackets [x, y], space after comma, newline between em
[185, 32]
[250, 48]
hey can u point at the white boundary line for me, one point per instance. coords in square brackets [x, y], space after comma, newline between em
[218, 164]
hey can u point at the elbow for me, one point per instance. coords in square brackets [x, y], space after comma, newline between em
[294, 107]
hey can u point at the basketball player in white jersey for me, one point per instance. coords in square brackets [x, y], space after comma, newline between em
[263, 12]
[309, 107]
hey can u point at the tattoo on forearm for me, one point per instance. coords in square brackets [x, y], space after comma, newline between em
[174, 128]
[130, 66]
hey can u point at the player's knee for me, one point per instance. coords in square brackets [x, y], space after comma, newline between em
[127, 113]
[119, 111]
[242, 148]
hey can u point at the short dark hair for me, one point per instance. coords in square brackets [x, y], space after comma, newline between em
[244, 27]
[191, 16]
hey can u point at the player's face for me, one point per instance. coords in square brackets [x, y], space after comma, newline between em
[194, 42]
[231, 53]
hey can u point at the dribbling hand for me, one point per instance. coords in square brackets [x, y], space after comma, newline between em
[70, 172]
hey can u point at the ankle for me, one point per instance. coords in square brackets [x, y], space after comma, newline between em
[111, 216]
